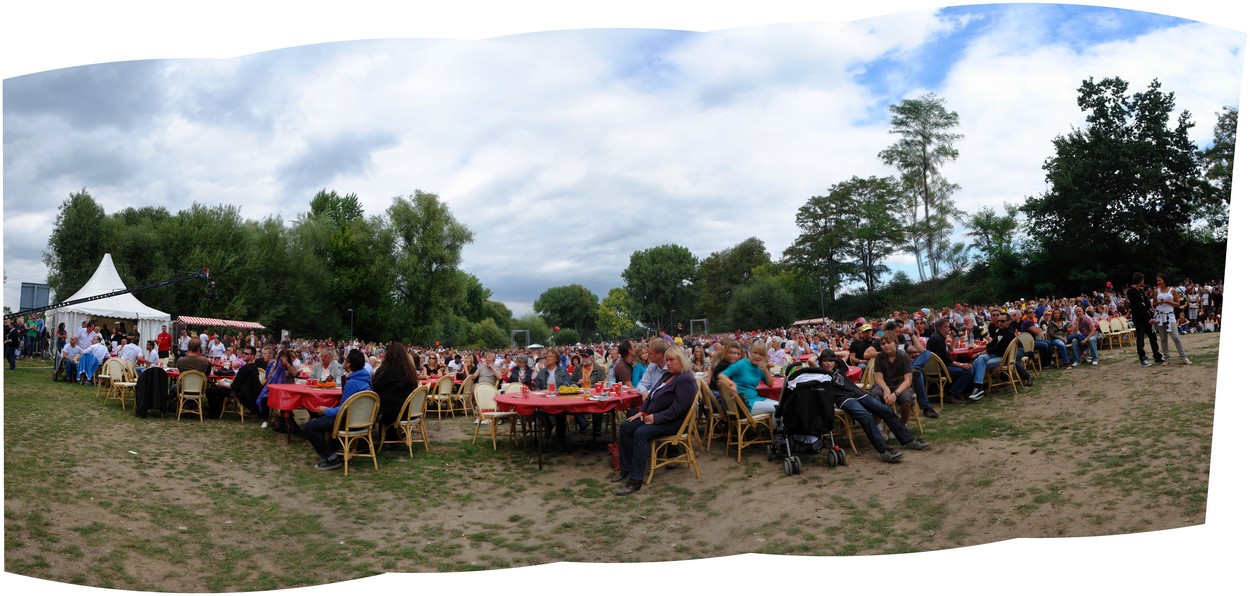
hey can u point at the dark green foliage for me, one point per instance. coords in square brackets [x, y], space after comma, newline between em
[723, 272]
[1123, 191]
[761, 303]
[572, 306]
[658, 281]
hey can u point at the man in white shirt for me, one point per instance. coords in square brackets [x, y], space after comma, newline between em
[69, 356]
[129, 352]
[97, 349]
[203, 339]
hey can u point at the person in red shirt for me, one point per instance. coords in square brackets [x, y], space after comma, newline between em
[163, 342]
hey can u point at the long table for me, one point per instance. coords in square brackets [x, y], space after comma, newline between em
[534, 403]
[288, 397]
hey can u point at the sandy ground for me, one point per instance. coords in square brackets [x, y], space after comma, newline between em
[1091, 451]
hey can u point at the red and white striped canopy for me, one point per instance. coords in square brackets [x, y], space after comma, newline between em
[210, 322]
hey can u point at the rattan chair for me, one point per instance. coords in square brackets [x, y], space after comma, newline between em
[936, 378]
[192, 388]
[1029, 345]
[742, 422]
[353, 423]
[103, 379]
[487, 410]
[410, 420]
[232, 400]
[441, 398]
[462, 399]
[681, 441]
[1006, 369]
[713, 416]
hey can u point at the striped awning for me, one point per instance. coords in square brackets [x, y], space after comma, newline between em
[210, 322]
[807, 322]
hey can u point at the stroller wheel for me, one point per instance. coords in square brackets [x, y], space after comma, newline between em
[772, 452]
[796, 464]
[785, 465]
[832, 458]
[841, 457]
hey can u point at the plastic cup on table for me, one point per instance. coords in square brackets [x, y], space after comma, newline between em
[551, 387]
[598, 387]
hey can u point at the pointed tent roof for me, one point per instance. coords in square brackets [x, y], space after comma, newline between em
[105, 280]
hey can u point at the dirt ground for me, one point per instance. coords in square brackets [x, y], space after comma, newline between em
[159, 505]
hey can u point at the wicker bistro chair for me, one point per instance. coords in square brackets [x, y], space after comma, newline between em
[443, 396]
[1031, 359]
[936, 378]
[104, 379]
[1006, 369]
[1119, 332]
[234, 406]
[683, 441]
[462, 399]
[192, 389]
[1105, 341]
[743, 423]
[486, 410]
[354, 422]
[410, 421]
[120, 379]
[715, 421]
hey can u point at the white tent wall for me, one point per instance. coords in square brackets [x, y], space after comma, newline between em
[107, 310]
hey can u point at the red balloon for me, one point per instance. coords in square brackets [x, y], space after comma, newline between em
[436, 343]
[557, 328]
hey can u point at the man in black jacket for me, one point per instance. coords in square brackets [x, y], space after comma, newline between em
[961, 372]
[246, 385]
[1139, 307]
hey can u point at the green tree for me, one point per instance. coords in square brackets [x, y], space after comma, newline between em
[926, 144]
[565, 337]
[761, 303]
[1121, 191]
[1217, 161]
[612, 318]
[723, 272]
[429, 242]
[853, 226]
[658, 281]
[572, 306]
[76, 245]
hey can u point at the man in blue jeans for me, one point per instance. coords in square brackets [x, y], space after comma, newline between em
[1000, 335]
[862, 407]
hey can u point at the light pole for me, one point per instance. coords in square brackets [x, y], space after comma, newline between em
[351, 326]
[824, 279]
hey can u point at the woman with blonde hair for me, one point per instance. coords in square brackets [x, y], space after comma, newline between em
[748, 373]
[661, 414]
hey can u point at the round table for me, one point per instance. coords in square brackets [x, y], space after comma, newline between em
[968, 353]
[533, 403]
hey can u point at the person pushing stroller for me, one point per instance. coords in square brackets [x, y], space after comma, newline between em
[862, 407]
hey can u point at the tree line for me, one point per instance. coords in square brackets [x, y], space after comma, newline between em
[1128, 191]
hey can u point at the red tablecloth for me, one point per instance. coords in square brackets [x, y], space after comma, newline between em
[289, 396]
[527, 405]
[968, 353]
[774, 391]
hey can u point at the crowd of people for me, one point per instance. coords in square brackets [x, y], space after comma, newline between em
[896, 347]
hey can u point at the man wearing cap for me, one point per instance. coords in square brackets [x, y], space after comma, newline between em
[861, 347]
[862, 407]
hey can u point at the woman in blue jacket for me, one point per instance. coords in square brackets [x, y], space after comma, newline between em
[356, 380]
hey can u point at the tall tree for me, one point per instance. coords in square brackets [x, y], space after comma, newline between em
[572, 307]
[761, 303]
[926, 143]
[76, 245]
[1121, 191]
[854, 226]
[723, 272]
[429, 241]
[1217, 160]
[658, 281]
[613, 318]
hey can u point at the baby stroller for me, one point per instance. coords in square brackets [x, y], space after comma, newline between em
[804, 416]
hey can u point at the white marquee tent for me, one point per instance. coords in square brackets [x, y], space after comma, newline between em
[107, 310]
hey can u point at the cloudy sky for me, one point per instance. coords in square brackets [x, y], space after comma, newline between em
[565, 151]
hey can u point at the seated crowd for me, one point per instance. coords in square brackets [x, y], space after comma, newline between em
[890, 353]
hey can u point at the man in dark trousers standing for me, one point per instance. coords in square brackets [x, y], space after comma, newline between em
[1139, 307]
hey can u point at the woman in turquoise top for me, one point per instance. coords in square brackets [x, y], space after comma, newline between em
[748, 373]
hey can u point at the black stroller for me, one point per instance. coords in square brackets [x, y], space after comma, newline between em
[804, 417]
